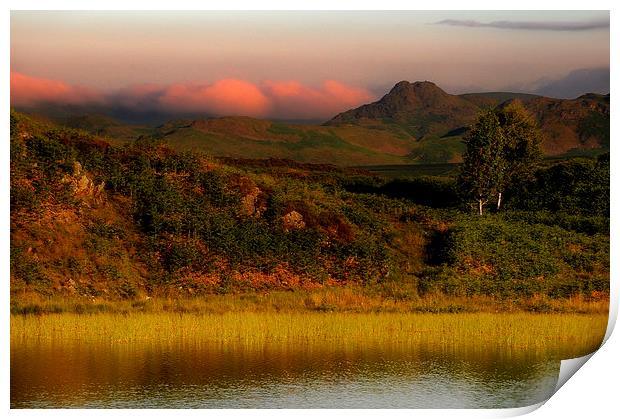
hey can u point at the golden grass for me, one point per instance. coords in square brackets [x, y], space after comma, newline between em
[562, 335]
[388, 298]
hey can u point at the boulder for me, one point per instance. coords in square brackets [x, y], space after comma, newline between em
[293, 221]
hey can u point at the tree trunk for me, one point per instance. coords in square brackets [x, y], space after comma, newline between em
[480, 204]
[499, 200]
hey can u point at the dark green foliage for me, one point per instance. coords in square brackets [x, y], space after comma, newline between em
[577, 186]
[25, 267]
[183, 254]
[160, 207]
[368, 259]
[523, 139]
[126, 290]
[431, 191]
[484, 166]
[361, 216]
[486, 255]
[215, 189]
[502, 149]
[24, 197]
[176, 206]
[568, 221]
[51, 152]
[596, 124]
[39, 161]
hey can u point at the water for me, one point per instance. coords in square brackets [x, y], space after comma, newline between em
[328, 375]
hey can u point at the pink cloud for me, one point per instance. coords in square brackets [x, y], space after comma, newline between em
[224, 97]
[28, 91]
[299, 101]
[271, 99]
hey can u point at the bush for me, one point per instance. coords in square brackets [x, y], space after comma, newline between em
[435, 192]
[577, 186]
[574, 222]
[25, 268]
[492, 256]
[24, 196]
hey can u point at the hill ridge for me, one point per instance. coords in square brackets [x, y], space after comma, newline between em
[414, 122]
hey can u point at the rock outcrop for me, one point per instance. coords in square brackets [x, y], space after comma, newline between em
[293, 221]
[82, 186]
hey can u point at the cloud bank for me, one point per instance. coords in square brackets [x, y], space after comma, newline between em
[529, 25]
[29, 91]
[226, 97]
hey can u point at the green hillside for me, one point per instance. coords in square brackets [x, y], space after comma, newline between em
[414, 123]
[102, 222]
[492, 99]
[251, 138]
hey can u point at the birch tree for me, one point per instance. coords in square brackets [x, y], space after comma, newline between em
[522, 140]
[502, 147]
[484, 164]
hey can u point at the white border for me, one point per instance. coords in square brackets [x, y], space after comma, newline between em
[592, 393]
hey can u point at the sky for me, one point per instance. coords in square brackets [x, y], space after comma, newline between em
[303, 65]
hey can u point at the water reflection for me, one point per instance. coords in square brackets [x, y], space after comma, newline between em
[271, 375]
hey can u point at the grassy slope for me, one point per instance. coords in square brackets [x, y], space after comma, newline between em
[177, 225]
[313, 147]
[244, 137]
[427, 129]
[368, 143]
[492, 99]
[425, 136]
[375, 143]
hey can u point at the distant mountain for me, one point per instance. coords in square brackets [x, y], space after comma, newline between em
[104, 126]
[413, 123]
[581, 123]
[422, 108]
[577, 83]
[427, 112]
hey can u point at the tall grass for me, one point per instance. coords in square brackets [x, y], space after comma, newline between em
[563, 335]
[389, 297]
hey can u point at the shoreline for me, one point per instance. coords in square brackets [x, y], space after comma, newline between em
[328, 299]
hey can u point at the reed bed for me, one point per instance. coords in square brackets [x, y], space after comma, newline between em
[353, 299]
[564, 335]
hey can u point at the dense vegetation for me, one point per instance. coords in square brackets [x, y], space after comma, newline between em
[111, 222]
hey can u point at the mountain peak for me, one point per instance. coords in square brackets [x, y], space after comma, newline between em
[401, 85]
[418, 86]
[411, 104]
[418, 94]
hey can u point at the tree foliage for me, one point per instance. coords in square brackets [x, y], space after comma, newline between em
[576, 186]
[502, 148]
[484, 161]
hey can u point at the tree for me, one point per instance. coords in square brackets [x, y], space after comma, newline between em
[522, 145]
[484, 163]
[502, 147]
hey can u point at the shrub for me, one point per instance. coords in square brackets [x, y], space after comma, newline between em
[574, 222]
[577, 186]
[489, 255]
[25, 268]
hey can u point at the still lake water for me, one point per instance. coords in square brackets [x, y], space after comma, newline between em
[191, 374]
